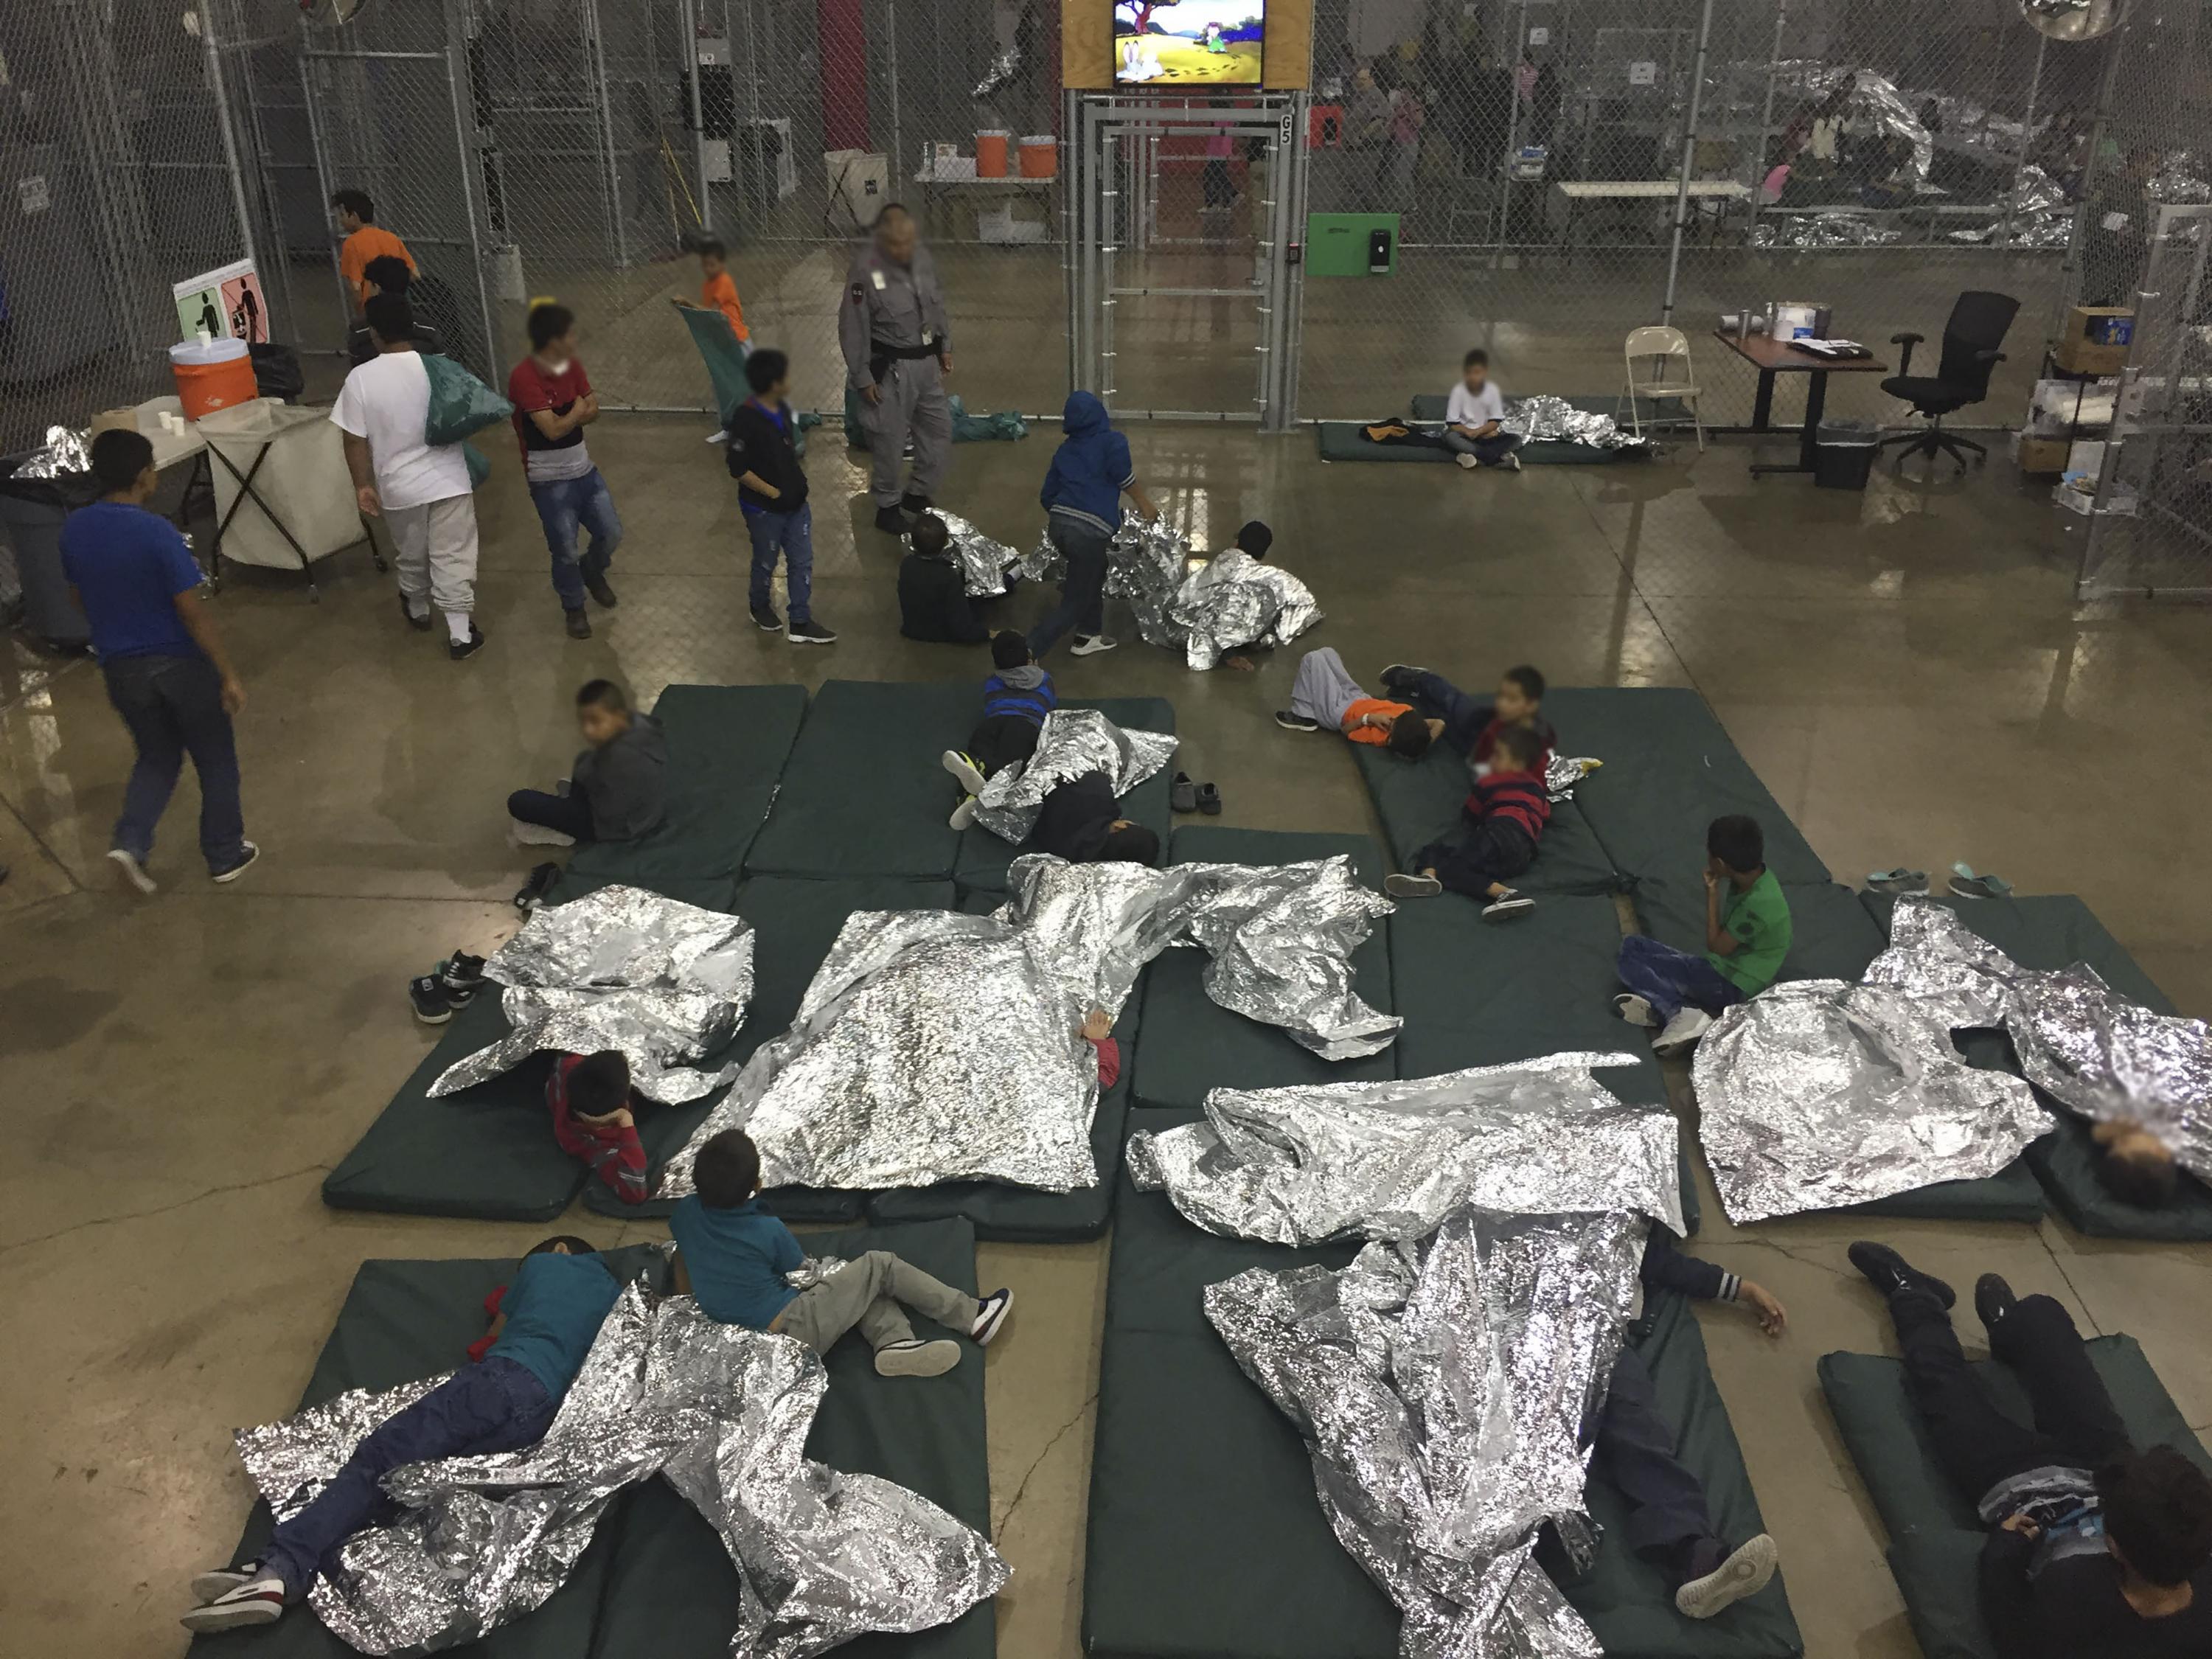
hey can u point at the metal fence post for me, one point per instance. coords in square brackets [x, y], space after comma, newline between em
[213, 55]
[1689, 155]
[465, 145]
[2070, 274]
[319, 143]
[689, 19]
[1758, 179]
[2027, 139]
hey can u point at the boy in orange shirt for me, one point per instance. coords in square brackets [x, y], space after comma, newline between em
[365, 239]
[719, 293]
[1324, 694]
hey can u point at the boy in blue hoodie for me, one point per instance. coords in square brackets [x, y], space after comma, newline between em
[1082, 497]
[1015, 698]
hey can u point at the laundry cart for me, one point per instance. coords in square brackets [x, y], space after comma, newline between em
[283, 497]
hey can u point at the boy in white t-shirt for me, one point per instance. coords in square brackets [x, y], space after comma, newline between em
[421, 490]
[1471, 418]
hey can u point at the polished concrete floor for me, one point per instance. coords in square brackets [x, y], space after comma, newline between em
[1906, 668]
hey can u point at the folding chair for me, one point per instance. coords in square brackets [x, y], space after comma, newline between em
[1662, 346]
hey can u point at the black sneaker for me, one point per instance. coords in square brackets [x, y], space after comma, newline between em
[1890, 1272]
[1182, 793]
[533, 891]
[461, 653]
[434, 1006]
[1400, 671]
[765, 619]
[891, 521]
[809, 633]
[916, 504]
[248, 853]
[463, 977]
[1290, 722]
[1993, 1300]
[422, 623]
[597, 588]
[580, 625]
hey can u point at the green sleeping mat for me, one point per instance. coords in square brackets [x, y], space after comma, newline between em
[487, 1153]
[865, 791]
[1833, 937]
[1670, 771]
[982, 865]
[2051, 931]
[727, 744]
[1340, 440]
[1936, 1539]
[795, 922]
[1191, 1044]
[1419, 802]
[1206, 1540]
[655, 1578]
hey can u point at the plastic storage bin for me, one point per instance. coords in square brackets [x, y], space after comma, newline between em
[1843, 454]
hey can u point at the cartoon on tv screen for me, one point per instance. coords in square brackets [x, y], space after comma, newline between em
[1188, 42]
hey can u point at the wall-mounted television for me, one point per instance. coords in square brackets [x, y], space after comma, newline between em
[1172, 44]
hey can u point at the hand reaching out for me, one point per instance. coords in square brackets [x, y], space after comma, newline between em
[1773, 1318]
[1098, 1026]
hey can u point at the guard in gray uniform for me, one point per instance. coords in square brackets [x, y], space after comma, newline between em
[891, 328]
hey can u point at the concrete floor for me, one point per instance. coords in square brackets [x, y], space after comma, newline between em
[1906, 669]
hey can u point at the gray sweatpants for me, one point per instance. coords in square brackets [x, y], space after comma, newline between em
[1322, 689]
[434, 552]
[913, 400]
[866, 1292]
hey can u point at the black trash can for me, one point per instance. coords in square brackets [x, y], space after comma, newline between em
[31, 514]
[1843, 454]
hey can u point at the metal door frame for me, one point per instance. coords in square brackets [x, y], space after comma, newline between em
[1105, 128]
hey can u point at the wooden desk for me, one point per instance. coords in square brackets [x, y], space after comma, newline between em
[1771, 357]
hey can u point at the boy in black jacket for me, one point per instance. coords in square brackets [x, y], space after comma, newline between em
[621, 782]
[932, 593]
[763, 457]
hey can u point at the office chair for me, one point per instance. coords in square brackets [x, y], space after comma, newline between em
[1971, 339]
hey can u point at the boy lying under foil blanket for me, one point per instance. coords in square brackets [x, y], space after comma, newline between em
[1452, 1382]
[935, 1047]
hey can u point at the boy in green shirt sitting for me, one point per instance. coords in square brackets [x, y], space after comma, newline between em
[1747, 937]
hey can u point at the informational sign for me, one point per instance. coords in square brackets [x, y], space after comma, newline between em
[31, 194]
[1644, 74]
[1540, 37]
[227, 301]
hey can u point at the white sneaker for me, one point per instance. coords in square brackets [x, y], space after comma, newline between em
[1682, 1031]
[1744, 1573]
[1512, 462]
[208, 1586]
[134, 871]
[1510, 904]
[916, 1358]
[991, 1313]
[258, 1601]
[965, 772]
[519, 833]
[1635, 1010]
[964, 814]
[1466, 461]
[1404, 884]
[1090, 645]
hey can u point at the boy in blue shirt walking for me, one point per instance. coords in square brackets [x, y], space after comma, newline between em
[168, 674]
[734, 1256]
[1082, 498]
[548, 1320]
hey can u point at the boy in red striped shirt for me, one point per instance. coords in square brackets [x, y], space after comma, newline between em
[1508, 812]
[595, 1119]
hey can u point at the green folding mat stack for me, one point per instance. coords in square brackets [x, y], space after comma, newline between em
[2051, 931]
[1340, 440]
[983, 857]
[1206, 1539]
[865, 791]
[1670, 771]
[1833, 937]
[727, 744]
[1191, 1044]
[1420, 802]
[655, 1578]
[795, 921]
[1935, 1538]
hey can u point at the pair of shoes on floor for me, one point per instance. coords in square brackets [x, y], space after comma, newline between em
[1675, 1035]
[235, 1597]
[447, 988]
[1963, 883]
[808, 632]
[920, 1357]
[531, 895]
[1184, 796]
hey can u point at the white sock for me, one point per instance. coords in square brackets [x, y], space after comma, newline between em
[457, 625]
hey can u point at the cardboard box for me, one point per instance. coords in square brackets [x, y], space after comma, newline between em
[2094, 339]
[2040, 455]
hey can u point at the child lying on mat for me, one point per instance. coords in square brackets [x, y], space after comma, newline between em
[1081, 822]
[1632, 1446]
[932, 592]
[735, 1257]
[2094, 1547]
[1017, 697]
[1506, 814]
[1747, 935]
[1324, 695]
[1469, 724]
[546, 1322]
[595, 1119]
[621, 781]
[2136, 1167]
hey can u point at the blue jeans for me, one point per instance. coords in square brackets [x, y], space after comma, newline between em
[173, 707]
[1491, 452]
[569, 814]
[562, 508]
[1437, 697]
[494, 1406]
[1082, 598]
[791, 534]
[1671, 980]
